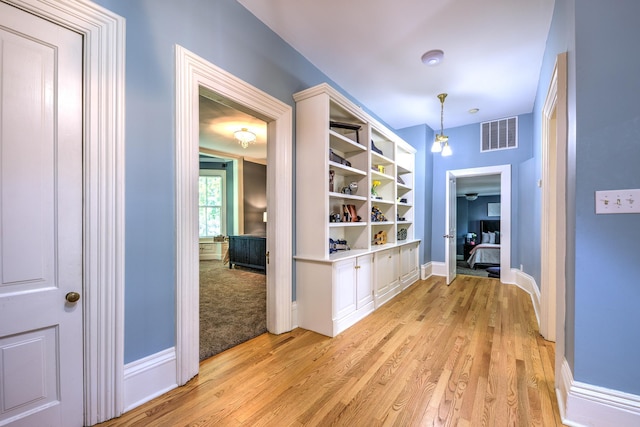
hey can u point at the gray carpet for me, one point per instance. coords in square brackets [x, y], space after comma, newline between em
[233, 306]
[463, 268]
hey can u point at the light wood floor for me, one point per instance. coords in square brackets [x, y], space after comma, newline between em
[468, 354]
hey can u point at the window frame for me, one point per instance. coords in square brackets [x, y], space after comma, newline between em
[223, 207]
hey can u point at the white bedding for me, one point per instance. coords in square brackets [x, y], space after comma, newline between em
[485, 253]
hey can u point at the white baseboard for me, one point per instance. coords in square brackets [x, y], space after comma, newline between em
[438, 268]
[588, 405]
[149, 378]
[294, 315]
[528, 284]
[425, 271]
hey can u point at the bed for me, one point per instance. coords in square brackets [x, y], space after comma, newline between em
[487, 253]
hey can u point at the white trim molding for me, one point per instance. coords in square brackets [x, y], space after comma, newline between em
[504, 171]
[103, 35]
[528, 284]
[194, 74]
[425, 271]
[588, 405]
[438, 268]
[149, 377]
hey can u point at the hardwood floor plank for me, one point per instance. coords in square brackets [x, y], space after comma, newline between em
[467, 354]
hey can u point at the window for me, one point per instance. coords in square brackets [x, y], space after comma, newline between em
[211, 204]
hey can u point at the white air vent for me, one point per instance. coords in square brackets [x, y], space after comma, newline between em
[499, 134]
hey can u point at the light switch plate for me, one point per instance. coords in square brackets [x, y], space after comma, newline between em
[618, 201]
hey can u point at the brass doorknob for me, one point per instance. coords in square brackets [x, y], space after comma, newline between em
[72, 297]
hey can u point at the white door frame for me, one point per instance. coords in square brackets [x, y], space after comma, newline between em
[192, 73]
[506, 275]
[103, 192]
[554, 208]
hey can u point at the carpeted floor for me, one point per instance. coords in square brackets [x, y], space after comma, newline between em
[463, 268]
[233, 306]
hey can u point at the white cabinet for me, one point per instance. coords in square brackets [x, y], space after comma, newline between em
[409, 271]
[333, 296]
[387, 277]
[354, 189]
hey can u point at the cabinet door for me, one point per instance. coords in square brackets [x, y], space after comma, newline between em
[408, 260]
[386, 271]
[364, 280]
[344, 300]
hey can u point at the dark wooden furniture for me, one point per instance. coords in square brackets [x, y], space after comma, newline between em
[467, 250]
[248, 251]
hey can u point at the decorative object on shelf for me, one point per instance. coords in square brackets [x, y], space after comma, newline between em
[377, 215]
[244, 137]
[353, 186]
[400, 180]
[349, 126]
[338, 159]
[402, 234]
[332, 175]
[376, 149]
[380, 238]
[374, 193]
[441, 143]
[380, 168]
[346, 190]
[338, 245]
[402, 200]
[334, 217]
[401, 218]
[349, 214]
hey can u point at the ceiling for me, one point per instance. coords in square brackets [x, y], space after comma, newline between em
[493, 52]
[219, 121]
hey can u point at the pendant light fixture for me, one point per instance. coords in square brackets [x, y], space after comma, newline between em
[244, 137]
[441, 142]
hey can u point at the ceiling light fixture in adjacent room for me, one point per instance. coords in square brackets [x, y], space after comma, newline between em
[441, 142]
[433, 57]
[471, 196]
[244, 137]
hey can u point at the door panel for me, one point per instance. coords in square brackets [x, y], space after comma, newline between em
[451, 232]
[41, 221]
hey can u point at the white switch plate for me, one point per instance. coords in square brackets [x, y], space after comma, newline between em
[618, 201]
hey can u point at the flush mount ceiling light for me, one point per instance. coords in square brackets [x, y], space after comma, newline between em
[433, 57]
[244, 137]
[471, 196]
[441, 143]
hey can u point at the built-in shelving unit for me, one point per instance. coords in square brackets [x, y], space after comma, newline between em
[354, 193]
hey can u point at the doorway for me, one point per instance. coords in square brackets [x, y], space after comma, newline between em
[476, 197]
[553, 209]
[504, 173]
[193, 73]
[232, 208]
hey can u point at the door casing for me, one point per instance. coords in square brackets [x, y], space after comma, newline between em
[506, 275]
[103, 183]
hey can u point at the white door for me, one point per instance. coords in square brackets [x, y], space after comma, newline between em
[450, 226]
[41, 363]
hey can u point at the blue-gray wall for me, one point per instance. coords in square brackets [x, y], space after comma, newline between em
[469, 213]
[602, 338]
[226, 34]
[465, 143]
[601, 329]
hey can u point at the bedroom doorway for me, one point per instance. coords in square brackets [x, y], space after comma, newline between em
[474, 196]
[193, 73]
[504, 174]
[232, 208]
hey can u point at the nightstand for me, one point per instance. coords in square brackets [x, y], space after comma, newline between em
[467, 249]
